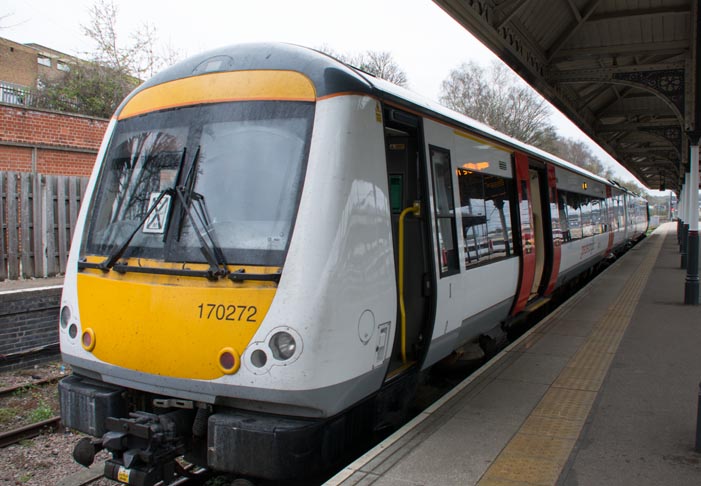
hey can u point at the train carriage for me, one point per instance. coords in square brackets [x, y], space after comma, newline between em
[274, 244]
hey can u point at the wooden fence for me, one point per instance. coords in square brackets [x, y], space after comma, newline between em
[37, 218]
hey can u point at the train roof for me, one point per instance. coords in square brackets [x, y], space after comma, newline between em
[331, 76]
[446, 114]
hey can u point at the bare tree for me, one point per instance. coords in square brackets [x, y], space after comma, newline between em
[88, 88]
[115, 68]
[3, 19]
[498, 98]
[633, 187]
[380, 64]
[581, 155]
[139, 56]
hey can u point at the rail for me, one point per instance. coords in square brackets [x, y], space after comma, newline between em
[44, 381]
[95, 472]
[28, 431]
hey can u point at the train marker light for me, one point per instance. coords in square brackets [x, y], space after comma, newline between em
[88, 339]
[259, 358]
[283, 345]
[73, 331]
[65, 316]
[229, 361]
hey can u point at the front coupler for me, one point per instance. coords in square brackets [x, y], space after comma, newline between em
[144, 447]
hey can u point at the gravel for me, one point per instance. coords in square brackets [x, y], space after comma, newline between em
[44, 460]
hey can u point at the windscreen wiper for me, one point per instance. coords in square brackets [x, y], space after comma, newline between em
[209, 250]
[113, 257]
[199, 218]
[109, 262]
[186, 195]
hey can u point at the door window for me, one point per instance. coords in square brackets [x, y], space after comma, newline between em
[444, 211]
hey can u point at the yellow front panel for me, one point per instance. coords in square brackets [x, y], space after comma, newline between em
[221, 87]
[169, 325]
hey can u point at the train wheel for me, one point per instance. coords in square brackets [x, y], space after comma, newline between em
[242, 482]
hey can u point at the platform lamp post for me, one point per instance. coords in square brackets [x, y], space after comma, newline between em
[691, 286]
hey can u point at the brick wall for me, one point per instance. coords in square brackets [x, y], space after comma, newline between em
[28, 320]
[48, 142]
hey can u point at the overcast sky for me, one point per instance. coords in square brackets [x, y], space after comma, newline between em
[423, 39]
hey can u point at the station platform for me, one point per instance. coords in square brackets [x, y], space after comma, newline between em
[603, 391]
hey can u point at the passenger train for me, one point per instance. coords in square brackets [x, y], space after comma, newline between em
[274, 244]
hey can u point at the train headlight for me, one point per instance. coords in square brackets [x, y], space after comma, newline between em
[283, 345]
[65, 316]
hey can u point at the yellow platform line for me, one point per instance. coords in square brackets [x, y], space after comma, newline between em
[541, 447]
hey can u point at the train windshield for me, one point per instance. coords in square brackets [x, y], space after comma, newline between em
[228, 173]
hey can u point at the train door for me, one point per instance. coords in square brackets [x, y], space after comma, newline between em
[554, 238]
[407, 186]
[610, 219]
[535, 189]
[537, 228]
[546, 228]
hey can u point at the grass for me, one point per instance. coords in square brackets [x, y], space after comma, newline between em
[7, 414]
[25, 477]
[41, 412]
[24, 390]
[28, 405]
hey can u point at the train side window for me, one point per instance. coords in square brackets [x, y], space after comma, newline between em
[574, 219]
[485, 212]
[498, 211]
[473, 216]
[564, 222]
[597, 216]
[620, 212]
[629, 213]
[587, 223]
[444, 211]
[611, 213]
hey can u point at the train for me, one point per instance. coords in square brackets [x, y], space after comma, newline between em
[273, 246]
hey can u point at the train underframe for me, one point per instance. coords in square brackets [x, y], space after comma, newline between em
[146, 433]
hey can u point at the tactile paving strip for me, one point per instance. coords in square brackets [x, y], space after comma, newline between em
[539, 450]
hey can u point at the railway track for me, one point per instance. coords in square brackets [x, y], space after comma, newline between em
[45, 381]
[31, 430]
[28, 431]
[95, 472]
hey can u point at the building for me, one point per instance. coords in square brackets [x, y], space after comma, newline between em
[23, 66]
[35, 139]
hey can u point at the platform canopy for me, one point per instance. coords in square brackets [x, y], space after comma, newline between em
[625, 71]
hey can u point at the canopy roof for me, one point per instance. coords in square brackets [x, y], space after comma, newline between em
[625, 71]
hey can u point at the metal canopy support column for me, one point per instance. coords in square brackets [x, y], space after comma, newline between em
[685, 219]
[691, 286]
[680, 216]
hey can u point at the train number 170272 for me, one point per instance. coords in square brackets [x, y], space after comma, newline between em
[221, 312]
